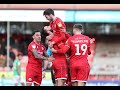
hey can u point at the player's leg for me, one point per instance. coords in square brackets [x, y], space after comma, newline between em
[62, 73]
[83, 74]
[16, 80]
[22, 81]
[36, 84]
[73, 73]
[81, 83]
[60, 82]
[75, 83]
[28, 83]
[68, 81]
[52, 77]
[38, 78]
[29, 77]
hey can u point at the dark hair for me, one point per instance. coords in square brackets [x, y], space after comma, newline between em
[48, 11]
[78, 26]
[43, 32]
[35, 32]
[19, 54]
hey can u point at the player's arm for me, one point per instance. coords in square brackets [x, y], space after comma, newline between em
[92, 40]
[89, 51]
[61, 38]
[61, 44]
[46, 63]
[38, 56]
[64, 49]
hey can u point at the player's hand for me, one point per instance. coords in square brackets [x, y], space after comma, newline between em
[92, 40]
[48, 37]
[53, 50]
[43, 74]
[50, 59]
[51, 44]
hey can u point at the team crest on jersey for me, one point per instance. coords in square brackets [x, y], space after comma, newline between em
[59, 24]
[33, 46]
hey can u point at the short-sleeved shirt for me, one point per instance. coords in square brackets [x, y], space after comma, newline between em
[79, 48]
[56, 26]
[32, 61]
[16, 63]
[57, 55]
[79, 45]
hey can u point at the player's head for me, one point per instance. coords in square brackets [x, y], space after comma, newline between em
[49, 13]
[36, 35]
[19, 55]
[77, 28]
[45, 31]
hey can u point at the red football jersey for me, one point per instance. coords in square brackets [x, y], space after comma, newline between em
[34, 62]
[56, 26]
[79, 46]
[58, 46]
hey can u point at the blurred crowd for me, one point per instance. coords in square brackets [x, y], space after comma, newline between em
[18, 43]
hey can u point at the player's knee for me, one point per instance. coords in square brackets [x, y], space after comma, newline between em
[81, 83]
[60, 82]
[28, 84]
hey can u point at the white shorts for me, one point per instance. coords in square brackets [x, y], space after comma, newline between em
[18, 79]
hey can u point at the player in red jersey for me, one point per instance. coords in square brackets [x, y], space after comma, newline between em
[59, 65]
[79, 46]
[57, 25]
[36, 54]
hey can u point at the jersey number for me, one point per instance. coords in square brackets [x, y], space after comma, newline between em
[83, 48]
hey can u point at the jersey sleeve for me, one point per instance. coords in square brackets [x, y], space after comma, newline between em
[60, 24]
[31, 46]
[60, 44]
[65, 48]
[61, 38]
[68, 42]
